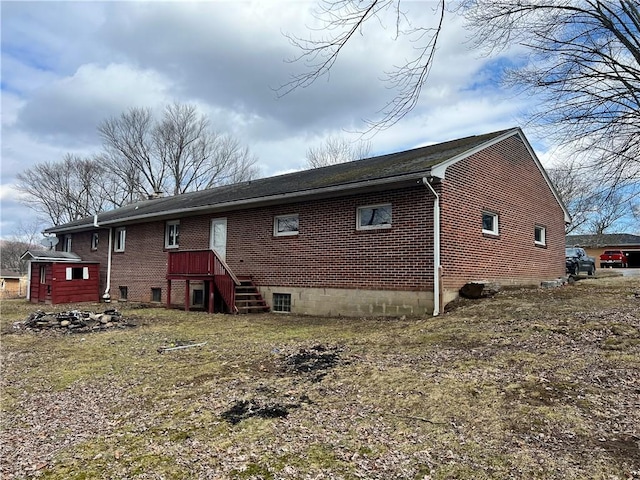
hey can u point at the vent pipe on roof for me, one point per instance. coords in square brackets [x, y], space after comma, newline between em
[95, 221]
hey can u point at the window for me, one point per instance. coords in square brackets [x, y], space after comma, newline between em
[540, 235]
[285, 225]
[43, 274]
[66, 244]
[124, 292]
[172, 234]
[77, 273]
[374, 217]
[118, 241]
[281, 302]
[95, 238]
[490, 223]
[156, 294]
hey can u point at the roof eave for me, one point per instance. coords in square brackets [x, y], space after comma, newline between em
[317, 193]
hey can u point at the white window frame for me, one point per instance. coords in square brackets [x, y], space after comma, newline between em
[176, 235]
[496, 227]
[119, 240]
[66, 247]
[276, 221]
[543, 235]
[95, 239]
[359, 211]
[282, 303]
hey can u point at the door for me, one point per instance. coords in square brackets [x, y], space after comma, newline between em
[218, 241]
[42, 285]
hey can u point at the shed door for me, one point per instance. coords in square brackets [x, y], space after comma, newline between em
[219, 236]
[42, 284]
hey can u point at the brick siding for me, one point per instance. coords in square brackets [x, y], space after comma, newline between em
[502, 179]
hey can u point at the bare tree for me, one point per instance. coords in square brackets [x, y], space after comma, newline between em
[583, 65]
[342, 20]
[337, 150]
[64, 191]
[25, 238]
[176, 154]
[595, 208]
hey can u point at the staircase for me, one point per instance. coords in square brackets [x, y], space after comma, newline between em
[248, 298]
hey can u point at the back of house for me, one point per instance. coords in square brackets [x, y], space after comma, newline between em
[396, 234]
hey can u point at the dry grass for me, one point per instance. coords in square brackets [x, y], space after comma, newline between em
[529, 384]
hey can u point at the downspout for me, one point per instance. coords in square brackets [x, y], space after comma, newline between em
[107, 296]
[436, 247]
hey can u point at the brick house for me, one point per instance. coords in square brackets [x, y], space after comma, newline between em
[389, 235]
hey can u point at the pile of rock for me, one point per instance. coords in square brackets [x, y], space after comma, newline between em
[74, 321]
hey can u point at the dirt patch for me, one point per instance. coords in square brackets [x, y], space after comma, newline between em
[243, 409]
[313, 361]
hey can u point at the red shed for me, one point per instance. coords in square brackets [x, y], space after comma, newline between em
[55, 278]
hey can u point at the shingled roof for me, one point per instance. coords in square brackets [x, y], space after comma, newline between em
[604, 240]
[380, 170]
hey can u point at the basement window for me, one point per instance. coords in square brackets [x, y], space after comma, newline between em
[281, 302]
[284, 225]
[540, 235]
[490, 223]
[156, 295]
[373, 217]
[124, 293]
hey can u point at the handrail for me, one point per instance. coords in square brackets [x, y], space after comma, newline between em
[198, 263]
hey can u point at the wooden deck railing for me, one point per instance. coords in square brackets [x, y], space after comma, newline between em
[186, 264]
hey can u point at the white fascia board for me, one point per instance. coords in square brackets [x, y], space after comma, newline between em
[257, 202]
[440, 169]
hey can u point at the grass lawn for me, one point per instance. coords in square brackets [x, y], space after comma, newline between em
[532, 383]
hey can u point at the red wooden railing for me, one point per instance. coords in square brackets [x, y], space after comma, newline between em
[187, 264]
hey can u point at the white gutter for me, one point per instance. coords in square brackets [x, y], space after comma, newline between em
[436, 248]
[107, 296]
[95, 221]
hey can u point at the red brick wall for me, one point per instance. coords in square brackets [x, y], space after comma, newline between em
[327, 252]
[81, 246]
[505, 180]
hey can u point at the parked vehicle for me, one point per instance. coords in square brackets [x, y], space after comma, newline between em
[577, 260]
[614, 258]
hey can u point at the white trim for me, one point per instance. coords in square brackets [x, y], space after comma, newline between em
[277, 233]
[496, 225]
[543, 235]
[176, 237]
[377, 226]
[120, 238]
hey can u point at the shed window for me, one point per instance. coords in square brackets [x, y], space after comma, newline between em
[119, 240]
[77, 273]
[172, 234]
[490, 223]
[281, 302]
[285, 225]
[374, 217]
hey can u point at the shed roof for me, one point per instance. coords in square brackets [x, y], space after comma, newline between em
[375, 172]
[49, 256]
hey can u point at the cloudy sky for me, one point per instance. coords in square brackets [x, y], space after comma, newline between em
[66, 66]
